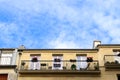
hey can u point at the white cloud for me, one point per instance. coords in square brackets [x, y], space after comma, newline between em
[75, 25]
[61, 42]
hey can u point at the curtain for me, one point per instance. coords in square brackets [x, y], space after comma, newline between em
[81, 65]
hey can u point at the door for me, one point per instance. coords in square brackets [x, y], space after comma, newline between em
[3, 76]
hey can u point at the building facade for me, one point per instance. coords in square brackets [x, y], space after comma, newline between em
[102, 62]
[8, 58]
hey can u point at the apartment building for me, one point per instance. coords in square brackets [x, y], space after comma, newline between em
[99, 63]
[102, 62]
[8, 58]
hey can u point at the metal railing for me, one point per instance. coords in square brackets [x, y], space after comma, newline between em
[5, 60]
[112, 62]
[111, 59]
[82, 65]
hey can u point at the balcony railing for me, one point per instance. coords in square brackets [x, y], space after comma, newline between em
[5, 60]
[112, 62]
[63, 66]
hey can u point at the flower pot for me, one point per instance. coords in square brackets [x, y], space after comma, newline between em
[73, 67]
[23, 63]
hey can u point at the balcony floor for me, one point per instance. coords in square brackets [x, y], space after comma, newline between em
[60, 72]
[112, 67]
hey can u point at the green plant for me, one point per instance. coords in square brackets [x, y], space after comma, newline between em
[23, 63]
[73, 67]
[107, 62]
[112, 62]
[116, 62]
[96, 66]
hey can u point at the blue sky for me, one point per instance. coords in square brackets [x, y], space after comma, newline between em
[58, 23]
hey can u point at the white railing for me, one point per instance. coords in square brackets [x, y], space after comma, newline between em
[5, 60]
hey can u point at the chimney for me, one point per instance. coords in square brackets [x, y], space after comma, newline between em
[21, 47]
[95, 43]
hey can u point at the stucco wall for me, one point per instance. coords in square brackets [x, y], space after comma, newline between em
[11, 73]
[105, 75]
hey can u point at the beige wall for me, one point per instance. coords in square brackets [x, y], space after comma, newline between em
[48, 55]
[11, 73]
[67, 55]
[6, 71]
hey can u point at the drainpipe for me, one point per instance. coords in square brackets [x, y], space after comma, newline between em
[18, 68]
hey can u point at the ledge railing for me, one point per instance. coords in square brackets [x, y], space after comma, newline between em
[112, 62]
[76, 65]
[5, 60]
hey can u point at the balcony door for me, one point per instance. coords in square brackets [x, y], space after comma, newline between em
[81, 64]
[57, 63]
[34, 63]
[6, 59]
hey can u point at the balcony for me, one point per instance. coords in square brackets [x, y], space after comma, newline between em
[63, 68]
[111, 62]
[6, 62]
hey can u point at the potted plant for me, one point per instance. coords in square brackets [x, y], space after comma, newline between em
[96, 67]
[107, 62]
[116, 62]
[73, 67]
[23, 63]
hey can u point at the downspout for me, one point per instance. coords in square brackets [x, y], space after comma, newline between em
[18, 67]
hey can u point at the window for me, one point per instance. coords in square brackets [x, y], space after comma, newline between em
[81, 64]
[57, 62]
[35, 63]
[6, 59]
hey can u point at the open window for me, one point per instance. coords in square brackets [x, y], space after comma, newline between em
[35, 63]
[57, 62]
[81, 61]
